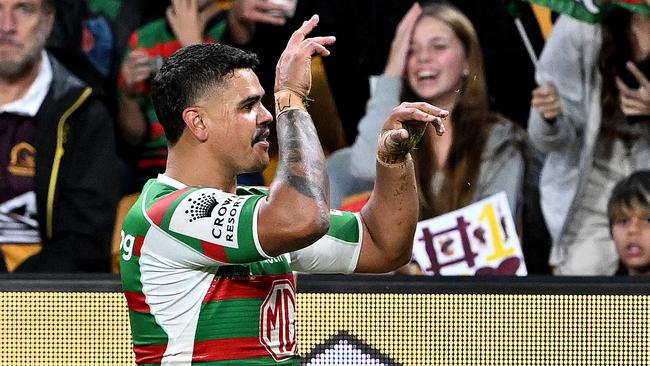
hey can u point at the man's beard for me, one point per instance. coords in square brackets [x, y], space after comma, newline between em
[17, 68]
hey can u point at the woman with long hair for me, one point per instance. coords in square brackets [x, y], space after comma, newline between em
[591, 115]
[436, 57]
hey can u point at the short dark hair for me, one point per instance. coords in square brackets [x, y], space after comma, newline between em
[190, 74]
[629, 193]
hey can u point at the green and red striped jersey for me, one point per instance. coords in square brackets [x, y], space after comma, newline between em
[157, 39]
[201, 290]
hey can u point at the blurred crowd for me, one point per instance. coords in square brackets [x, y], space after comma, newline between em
[565, 136]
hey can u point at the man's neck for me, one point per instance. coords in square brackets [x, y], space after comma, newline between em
[14, 88]
[189, 170]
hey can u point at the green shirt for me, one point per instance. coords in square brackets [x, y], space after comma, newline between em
[201, 290]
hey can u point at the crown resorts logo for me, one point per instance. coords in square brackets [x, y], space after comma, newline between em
[210, 215]
[202, 206]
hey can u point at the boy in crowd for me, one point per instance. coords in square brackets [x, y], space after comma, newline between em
[629, 217]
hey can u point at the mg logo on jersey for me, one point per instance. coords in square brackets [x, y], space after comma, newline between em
[278, 320]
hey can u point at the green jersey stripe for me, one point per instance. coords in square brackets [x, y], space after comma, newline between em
[248, 250]
[130, 274]
[264, 361]
[148, 331]
[213, 324]
[160, 207]
[245, 313]
[344, 226]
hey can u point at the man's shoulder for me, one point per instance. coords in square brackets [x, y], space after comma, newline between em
[152, 192]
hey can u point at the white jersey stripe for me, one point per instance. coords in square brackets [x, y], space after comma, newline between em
[256, 238]
[163, 266]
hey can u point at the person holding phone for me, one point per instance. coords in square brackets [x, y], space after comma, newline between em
[591, 115]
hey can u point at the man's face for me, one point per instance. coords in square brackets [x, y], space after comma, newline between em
[24, 28]
[238, 124]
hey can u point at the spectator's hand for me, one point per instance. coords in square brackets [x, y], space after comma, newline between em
[293, 71]
[635, 102]
[244, 14]
[188, 21]
[404, 128]
[135, 69]
[547, 101]
[399, 48]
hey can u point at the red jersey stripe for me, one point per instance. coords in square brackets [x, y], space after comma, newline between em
[137, 248]
[136, 302]
[215, 251]
[149, 354]
[250, 287]
[157, 211]
[228, 349]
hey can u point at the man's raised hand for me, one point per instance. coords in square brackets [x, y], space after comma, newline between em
[293, 71]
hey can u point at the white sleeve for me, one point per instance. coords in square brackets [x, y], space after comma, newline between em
[337, 251]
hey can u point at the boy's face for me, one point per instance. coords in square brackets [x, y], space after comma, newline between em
[631, 234]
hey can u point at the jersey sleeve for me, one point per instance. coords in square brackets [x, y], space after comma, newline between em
[337, 251]
[221, 226]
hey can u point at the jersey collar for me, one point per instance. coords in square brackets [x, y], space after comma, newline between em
[170, 181]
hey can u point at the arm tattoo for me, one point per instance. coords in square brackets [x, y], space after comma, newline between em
[302, 162]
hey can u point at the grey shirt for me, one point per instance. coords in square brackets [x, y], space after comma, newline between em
[569, 60]
[502, 162]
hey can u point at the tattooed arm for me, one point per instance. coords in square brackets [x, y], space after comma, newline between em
[391, 214]
[296, 212]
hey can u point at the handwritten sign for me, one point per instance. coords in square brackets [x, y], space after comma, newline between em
[479, 239]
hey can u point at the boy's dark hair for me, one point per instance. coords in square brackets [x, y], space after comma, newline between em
[631, 192]
[188, 75]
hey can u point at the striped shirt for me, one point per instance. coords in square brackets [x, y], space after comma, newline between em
[201, 290]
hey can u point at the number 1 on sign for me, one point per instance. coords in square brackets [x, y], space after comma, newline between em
[489, 214]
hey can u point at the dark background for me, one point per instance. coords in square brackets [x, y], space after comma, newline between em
[365, 29]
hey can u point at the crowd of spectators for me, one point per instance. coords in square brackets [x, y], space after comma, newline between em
[79, 131]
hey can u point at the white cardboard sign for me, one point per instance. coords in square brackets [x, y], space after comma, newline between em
[479, 239]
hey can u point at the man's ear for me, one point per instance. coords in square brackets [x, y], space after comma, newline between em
[194, 122]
